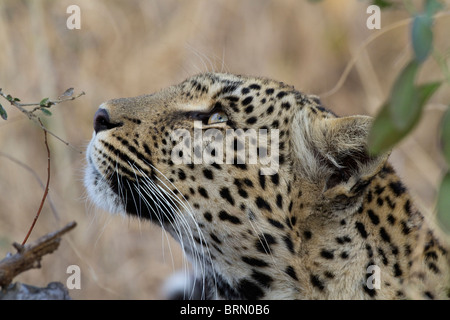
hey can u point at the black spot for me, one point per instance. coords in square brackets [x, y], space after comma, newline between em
[276, 223]
[249, 109]
[398, 188]
[286, 105]
[379, 190]
[315, 281]
[361, 229]
[208, 216]
[208, 174]
[269, 91]
[373, 217]
[287, 240]
[407, 207]
[255, 86]
[405, 229]
[394, 249]
[250, 290]
[344, 239]
[397, 271]
[369, 251]
[327, 254]
[380, 202]
[245, 90]
[243, 193]
[225, 216]
[147, 149]
[247, 100]
[264, 242]
[280, 201]
[344, 255]
[391, 219]
[254, 262]
[291, 272]
[203, 192]
[262, 204]
[384, 235]
[263, 279]
[433, 267]
[225, 194]
[270, 110]
[214, 237]
[383, 256]
[307, 234]
[281, 94]
[251, 120]
[248, 182]
[428, 295]
[262, 180]
[181, 175]
[217, 166]
[390, 203]
[241, 166]
[371, 292]
[275, 178]
[369, 196]
[431, 255]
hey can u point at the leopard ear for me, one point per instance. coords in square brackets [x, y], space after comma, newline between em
[343, 143]
[334, 151]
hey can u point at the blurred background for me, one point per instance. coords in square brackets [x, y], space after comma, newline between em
[128, 48]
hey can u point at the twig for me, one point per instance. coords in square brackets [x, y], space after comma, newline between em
[45, 191]
[29, 256]
[43, 106]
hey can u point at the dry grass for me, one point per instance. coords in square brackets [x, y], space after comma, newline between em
[136, 47]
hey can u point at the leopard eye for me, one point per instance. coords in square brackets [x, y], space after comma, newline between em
[217, 117]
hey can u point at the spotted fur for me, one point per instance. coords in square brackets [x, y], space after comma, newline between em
[309, 231]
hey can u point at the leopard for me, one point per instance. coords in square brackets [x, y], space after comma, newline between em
[326, 220]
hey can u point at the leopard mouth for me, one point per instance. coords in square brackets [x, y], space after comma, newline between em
[141, 197]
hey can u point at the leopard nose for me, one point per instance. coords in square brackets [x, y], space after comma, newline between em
[101, 121]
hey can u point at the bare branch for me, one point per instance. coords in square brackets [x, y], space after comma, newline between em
[29, 256]
[46, 188]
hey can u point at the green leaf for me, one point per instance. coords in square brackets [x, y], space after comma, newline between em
[443, 203]
[3, 113]
[403, 96]
[382, 3]
[422, 36]
[46, 112]
[44, 102]
[445, 136]
[385, 134]
[9, 98]
[433, 6]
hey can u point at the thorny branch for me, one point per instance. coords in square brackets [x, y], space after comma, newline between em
[29, 256]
